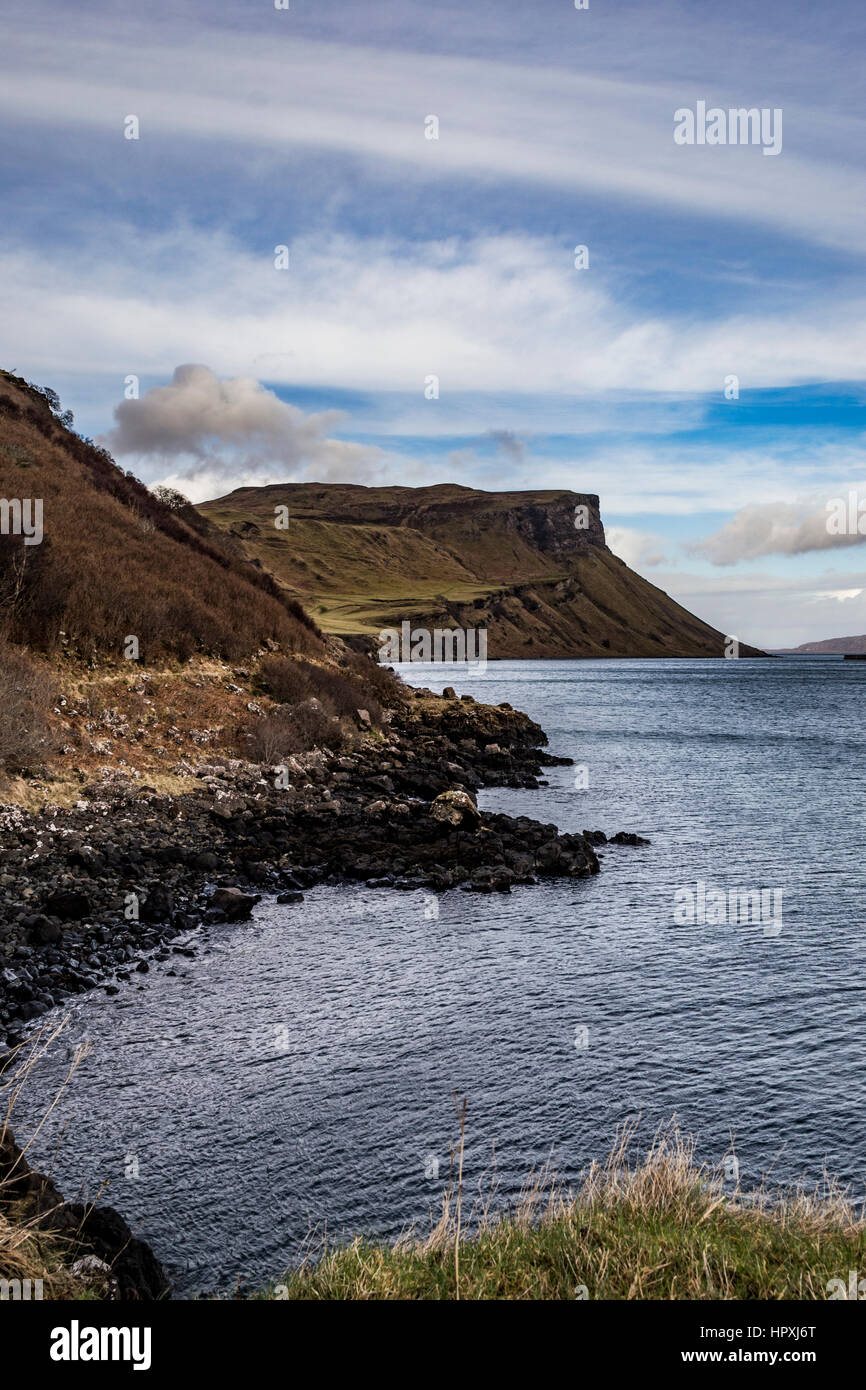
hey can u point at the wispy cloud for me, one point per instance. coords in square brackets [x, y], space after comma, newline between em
[491, 314]
[561, 128]
[773, 611]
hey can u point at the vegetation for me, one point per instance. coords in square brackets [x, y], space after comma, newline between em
[364, 559]
[272, 737]
[24, 728]
[319, 706]
[117, 560]
[31, 1248]
[340, 692]
[661, 1227]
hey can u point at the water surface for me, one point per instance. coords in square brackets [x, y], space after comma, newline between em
[298, 1076]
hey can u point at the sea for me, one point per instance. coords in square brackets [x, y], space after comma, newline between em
[298, 1082]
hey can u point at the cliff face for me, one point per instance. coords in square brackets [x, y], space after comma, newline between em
[532, 568]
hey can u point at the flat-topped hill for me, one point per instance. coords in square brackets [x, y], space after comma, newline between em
[531, 567]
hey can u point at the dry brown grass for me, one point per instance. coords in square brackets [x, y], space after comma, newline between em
[30, 1250]
[656, 1225]
[116, 561]
[25, 695]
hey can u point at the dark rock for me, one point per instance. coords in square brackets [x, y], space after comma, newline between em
[41, 931]
[99, 1231]
[236, 905]
[158, 905]
[69, 904]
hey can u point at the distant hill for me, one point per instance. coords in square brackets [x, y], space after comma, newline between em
[842, 645]
[363, 559]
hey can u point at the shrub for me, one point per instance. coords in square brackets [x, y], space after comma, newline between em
[340, 690]
[388, 688]
[288, 681]
[284, 732]
[25, 693]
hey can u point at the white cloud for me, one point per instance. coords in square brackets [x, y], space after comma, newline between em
[233, 432]
[212, 93]
[840, 595]
[495, 314]
[786, 528]
[769, 610]
[640, 549]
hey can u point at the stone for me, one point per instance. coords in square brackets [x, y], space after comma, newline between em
[68, 904]
[158, 905]
[455, 808]
[236, 905]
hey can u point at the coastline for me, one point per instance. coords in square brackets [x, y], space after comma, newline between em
[88, 893]
[399, 811]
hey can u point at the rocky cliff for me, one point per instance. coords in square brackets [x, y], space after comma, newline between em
[531, 568]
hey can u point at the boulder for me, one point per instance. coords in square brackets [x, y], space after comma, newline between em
[455, 808]
[69, 904]
[158, 905]
[40, 930]
[236, 905]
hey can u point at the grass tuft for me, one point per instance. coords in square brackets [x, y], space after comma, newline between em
[656, 1226]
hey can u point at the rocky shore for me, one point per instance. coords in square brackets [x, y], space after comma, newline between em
[90, 894]
[84, 1249]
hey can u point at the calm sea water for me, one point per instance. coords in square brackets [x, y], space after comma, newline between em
[296, 1080]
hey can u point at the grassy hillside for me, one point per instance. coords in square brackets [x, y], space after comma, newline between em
[115, 561]
[363, 559]
[220, 645]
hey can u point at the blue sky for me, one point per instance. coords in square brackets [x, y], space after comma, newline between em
[454, 257]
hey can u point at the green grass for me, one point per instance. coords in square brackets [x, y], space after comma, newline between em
[661, 1228]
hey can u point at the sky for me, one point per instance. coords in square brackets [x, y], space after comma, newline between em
[284, 276]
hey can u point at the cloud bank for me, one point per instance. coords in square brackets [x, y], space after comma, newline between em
[784, 528]
[234, 430]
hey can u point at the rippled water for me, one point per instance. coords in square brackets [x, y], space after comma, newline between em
[298, 1076]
